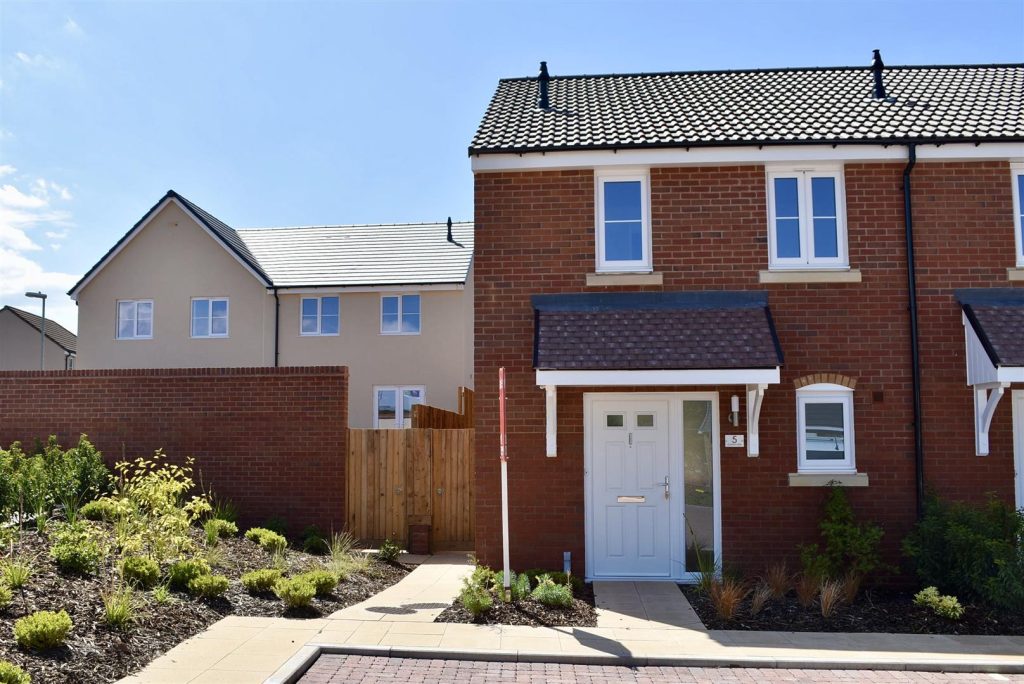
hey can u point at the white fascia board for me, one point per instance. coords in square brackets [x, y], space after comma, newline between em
[624, 378]
[744, 154]
[1005, 374]
[412, 287]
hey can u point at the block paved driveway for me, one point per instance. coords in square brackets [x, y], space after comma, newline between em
[335, 669]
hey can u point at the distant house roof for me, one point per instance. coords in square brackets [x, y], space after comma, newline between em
[355, 255]
[997, 316]
[828, 105]
[55, 332]
[654, 331]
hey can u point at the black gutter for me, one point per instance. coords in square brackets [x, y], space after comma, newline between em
[915, 355]
[277, 327]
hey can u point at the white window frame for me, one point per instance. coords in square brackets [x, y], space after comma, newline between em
[826, 393]
[209, 316]
[1017, 170]
[643, 265]
[136, 335]
[399, 405]
[319, 315]
[401, 308]
[808, 261]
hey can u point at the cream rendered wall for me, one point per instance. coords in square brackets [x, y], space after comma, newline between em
[19, 346]
[439, 358]
[171, 260]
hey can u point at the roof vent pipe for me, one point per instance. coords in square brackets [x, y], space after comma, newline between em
[543, 79]
[450, 238]
[876, 70]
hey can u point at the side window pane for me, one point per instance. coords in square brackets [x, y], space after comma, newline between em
[145, 310]
[645, 420]
[623, 241]
[411, 314]
[386, 408]
[329, 315]
[787, 218]
[623, 221]
[309, 316]
[824, 431]
[389, 314]
[219, 308]
[410, 397]
[126, 319]
[614, 420]
[200, 321]
[787, 238]
[622, 201]
[823, 200]
[219, 317]
[1020, 197]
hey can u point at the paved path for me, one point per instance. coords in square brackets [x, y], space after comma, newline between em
[646, 605]
[335, 669]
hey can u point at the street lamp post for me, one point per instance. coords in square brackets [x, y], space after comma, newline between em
[42, 329]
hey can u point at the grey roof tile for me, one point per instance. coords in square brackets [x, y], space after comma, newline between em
[57, 333]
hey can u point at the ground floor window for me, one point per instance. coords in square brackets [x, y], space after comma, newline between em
[825, 429]
[388, 401]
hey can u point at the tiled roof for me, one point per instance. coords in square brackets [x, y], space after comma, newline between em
[396, 254]
[225, 232]
[770, 106]
[997, 315]
[655, 331]
[57, 333]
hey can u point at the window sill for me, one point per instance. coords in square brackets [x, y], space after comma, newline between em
[606, 279]
[1015, 274]
[825, 479]
[851, 275]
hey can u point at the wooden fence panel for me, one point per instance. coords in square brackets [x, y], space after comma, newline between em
[400, 477]
[426, 416]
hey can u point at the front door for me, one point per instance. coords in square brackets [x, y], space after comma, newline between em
[630, 488]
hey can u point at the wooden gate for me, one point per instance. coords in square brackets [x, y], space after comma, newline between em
[397, 477]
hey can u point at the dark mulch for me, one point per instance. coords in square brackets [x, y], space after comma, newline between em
[887, 611]
[96, 653]
[530, 612]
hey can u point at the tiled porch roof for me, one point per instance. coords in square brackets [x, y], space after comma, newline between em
[997, 316]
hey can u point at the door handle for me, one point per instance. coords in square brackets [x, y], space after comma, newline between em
[665, 485]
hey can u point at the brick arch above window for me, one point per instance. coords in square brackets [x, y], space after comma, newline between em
[829, 378]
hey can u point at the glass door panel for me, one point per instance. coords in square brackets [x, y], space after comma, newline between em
[698, 484]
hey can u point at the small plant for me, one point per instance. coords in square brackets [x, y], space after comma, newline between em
[520, 587]
[830, 596]
[119, 606]
[779, 580]
[268, 540]
[388, 551]
[5, 596]
[475, 599]
[552, 594]
[726, 596]
[295, 592]
[849, 545]
[851, 586]
[77, 548]
[314, 540]
[140, 572]
[184, 571]
[216, 556]
[260, 581]
[12, 674]
[222, 509]
[760, 597]
[216, 528]
[42, 630]
[708, 569]
[806, 589]
[322, 580]
[208, 586]
[279, 561]
[16, 572]
[277, 524]
[100, 509]
[345, 559]
[558, 577]
[162, 595]
[944, 606]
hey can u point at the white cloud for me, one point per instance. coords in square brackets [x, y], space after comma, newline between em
[14, 198]
[19, 274]
[72, 28]
[56, 235]
[37, 61]
[6, 169]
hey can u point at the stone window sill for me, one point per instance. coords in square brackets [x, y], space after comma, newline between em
[1015, 274]
[612, 279]
[810, 276]
[825, 479]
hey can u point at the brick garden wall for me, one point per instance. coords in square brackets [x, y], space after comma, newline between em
[272, 440]
[535, 234]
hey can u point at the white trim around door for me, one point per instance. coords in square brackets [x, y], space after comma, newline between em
[639, 417]
[1018, 445]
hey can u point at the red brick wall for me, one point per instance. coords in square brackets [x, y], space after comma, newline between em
[535, 234]
[272, 440]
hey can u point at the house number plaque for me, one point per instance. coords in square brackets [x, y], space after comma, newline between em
[734, 441]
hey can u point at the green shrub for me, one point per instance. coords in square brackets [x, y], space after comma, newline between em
[218, 528]
[558, 577]
[5, 596]
[323, 581]
[222, 509]
[100, 509]
[181, 573]
[16, 571]
[295, 592]
[849, 546]
[520, 588]
[551, 593]
[971, 550]
[945, 606]
[277, 524]
[119, 607]
[140, 572]
[260, 581]
[12, 674]
[208, 586]
[42, 630]
[314, 540]
[76, 547]
[475, 599]
[388, 551]
[268, 540]
[162, 595]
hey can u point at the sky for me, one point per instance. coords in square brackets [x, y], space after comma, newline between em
[311, 113]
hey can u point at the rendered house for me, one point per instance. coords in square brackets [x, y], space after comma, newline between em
[20, 333]
[392, 302]
[700, 287]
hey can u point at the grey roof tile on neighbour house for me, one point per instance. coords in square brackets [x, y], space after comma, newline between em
[997, 316]
[760, 107]
[57, 333]
[654, 331]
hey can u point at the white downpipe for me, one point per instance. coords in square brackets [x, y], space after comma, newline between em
[503, 441]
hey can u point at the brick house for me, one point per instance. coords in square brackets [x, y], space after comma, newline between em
[700, 288]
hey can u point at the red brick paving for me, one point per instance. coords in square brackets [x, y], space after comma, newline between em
[334, 669]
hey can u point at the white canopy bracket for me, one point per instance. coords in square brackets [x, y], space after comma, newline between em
[755, 395]
[986, 398]
[551, 419]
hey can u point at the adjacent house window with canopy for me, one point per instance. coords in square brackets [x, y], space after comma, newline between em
[825, 429]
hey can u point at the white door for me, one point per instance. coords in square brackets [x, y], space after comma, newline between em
[1018, 445]
[630, 488]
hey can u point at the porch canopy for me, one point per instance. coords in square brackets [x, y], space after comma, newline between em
[656, 338]
[993, 320]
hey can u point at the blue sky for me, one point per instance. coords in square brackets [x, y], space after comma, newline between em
[298, 113]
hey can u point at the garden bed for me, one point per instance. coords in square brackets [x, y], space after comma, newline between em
[530, 612]
[97, 653]
[874, 610]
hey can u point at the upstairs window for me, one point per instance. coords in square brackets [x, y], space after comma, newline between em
[392, 406]
[400, 314]
[807, 219]
[623, 223]
[135, 319]
[825, 429]
[1018, 209]
[210, 317]
[320, 316]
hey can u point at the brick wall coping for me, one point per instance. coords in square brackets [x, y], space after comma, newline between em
[176, 372]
